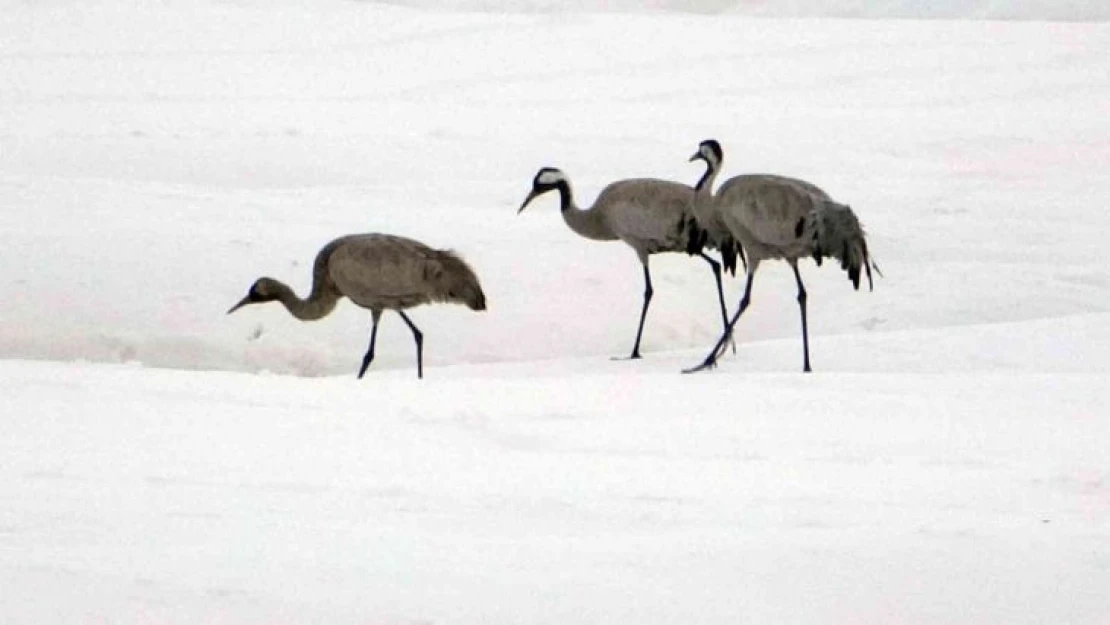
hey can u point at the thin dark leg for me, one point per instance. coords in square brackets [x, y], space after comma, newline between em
[716, 267]
[369, 352]
[802, 305]
[419, 336]
[648, 292]
[711, 359]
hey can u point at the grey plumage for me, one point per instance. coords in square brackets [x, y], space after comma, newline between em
[378, 272]
[779, 217]
[651, 216]
[714, 233]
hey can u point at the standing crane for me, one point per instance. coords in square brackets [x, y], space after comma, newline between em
[778, 217]
[649, 215]
[378, 272]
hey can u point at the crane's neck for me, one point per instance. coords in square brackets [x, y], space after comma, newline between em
[319, 303]
[703, 193]
[704, 187]
[587, 223]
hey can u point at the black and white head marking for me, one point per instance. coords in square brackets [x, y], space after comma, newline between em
[549, 178]
[710, 150]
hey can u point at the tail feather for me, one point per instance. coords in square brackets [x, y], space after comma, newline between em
[738, 250]
[838, 234]
[695, 236]
[697, 239]
[730, 249]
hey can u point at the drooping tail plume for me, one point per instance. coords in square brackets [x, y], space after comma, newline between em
[838, 234]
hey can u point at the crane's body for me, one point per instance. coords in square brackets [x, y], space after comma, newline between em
[777, 217]
[378, 272]
[651, 216]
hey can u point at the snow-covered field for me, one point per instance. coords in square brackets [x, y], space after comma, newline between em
[162, 462]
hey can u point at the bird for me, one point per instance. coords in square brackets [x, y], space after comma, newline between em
[773, 217]
[378, 272]
[648, 214]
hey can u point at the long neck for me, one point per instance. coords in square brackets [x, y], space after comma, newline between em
[703, 194]
[704, 187]
[587, 223]
[319, 303]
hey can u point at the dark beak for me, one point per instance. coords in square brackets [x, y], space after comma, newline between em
[697, 157]
[531, 196]
[243, 302]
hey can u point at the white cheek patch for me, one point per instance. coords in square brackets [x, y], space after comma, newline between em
[551, 177]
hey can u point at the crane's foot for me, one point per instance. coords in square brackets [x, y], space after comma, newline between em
[621, 358]
[710, 363]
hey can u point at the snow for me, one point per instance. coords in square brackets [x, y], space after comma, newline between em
[619, 498]
[162, 462]
[1035, 10]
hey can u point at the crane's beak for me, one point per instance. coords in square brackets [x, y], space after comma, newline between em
[531, 196]
[243, 302]
[697, 157]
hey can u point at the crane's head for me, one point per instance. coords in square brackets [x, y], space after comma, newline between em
[547, 179]
[710, 152]
[263, 290]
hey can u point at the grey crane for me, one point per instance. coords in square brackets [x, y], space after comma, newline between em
[778, 217]
[649, 215]
[379, 272]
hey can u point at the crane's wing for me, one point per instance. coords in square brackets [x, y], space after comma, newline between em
[650, 215]
[384, 271]
[774, 210]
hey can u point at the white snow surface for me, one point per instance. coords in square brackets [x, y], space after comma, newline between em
[1037, 10]
[162, 462]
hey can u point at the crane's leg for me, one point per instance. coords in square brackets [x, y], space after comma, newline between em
[375, 315]
[419, 336]
[648, 292]
[716, 267]
[711, 359]
[802, 306]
